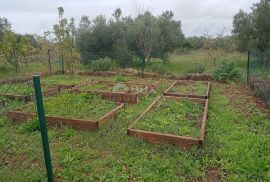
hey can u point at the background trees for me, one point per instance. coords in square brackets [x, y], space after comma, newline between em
[145, 35]
[252, 30]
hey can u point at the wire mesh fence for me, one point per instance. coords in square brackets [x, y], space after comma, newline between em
[258, 74]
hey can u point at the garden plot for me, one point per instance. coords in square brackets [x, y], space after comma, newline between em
[172, 120]
[64, 81]
[189, 88]
[80, 111]
[119, 92]
[23, 91]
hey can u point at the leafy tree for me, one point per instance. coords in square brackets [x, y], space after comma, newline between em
[65, 33]
[14, 48]
[117, 13]
[252, 30]
[4, 27]
[122, 38]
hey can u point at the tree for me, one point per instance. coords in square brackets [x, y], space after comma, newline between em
[14, 48]
[252, 29]
[65, 33]
[4, 27]
[117, 13]
[147, 34]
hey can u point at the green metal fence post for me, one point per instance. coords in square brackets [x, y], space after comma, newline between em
[43, 127]
[248, 61]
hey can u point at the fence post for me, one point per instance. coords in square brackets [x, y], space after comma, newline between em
[248, 61]
[43, 127]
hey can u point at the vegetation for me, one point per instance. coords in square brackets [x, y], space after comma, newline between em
[251, 30]
[105, 64]
[190, 88]
[234, 139]
[63, 79]
[227, 72]
[19, 89]
[81, 106]
[173, 117]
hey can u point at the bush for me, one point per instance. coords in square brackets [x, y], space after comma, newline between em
[227, 72]
[103, 64]
[197, 69]
[160, 68]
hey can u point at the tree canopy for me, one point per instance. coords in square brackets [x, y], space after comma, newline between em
[252, 30]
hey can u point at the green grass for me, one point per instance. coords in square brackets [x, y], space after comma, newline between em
[75, 106]
[64, 79]
[236, 143]
[189, 88]
[9, 71]
[173, 117]
[118, 87]
[19, 88]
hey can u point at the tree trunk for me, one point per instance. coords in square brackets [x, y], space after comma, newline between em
[49, 60]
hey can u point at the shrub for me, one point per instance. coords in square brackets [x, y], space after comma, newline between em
[103, 64]
[160, 68]
[197, 69]
[227, 72]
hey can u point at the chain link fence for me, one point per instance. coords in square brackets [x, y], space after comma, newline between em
[258, 74]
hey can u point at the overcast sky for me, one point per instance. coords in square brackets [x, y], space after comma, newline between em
[37, 16]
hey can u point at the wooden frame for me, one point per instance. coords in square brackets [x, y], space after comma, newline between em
[130, 98]
[80, 124]
[29, 97]
[162, 138]
[167, 92]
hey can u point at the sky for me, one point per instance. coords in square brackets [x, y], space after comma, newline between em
[197, 16]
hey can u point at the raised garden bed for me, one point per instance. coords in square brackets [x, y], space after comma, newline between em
[64, 81]
[189, 88]
[119, 92]
[24, 91]
[74, 110]
[172, 120]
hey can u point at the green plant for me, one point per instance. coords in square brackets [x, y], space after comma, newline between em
[77, 106]
[197, 69]
[31, 125]
[159, 68]
[173, 117]
[227, 72]
[190, 88]
[120, 78]
[103, 64]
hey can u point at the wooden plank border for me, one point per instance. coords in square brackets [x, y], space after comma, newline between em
[129, 98]
[164, 138]
[80, 124]
[30, 97]
[167, 92]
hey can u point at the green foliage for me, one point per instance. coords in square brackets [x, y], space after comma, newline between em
[197, 69]
[190, 88]
[173, 117]
[19, 89]
[120, 78]
[252, 29]
[234, 139]
[227, 72]
[103, 64]
[31, 125]
[160, 68]
[152, 36]
[77, 106]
